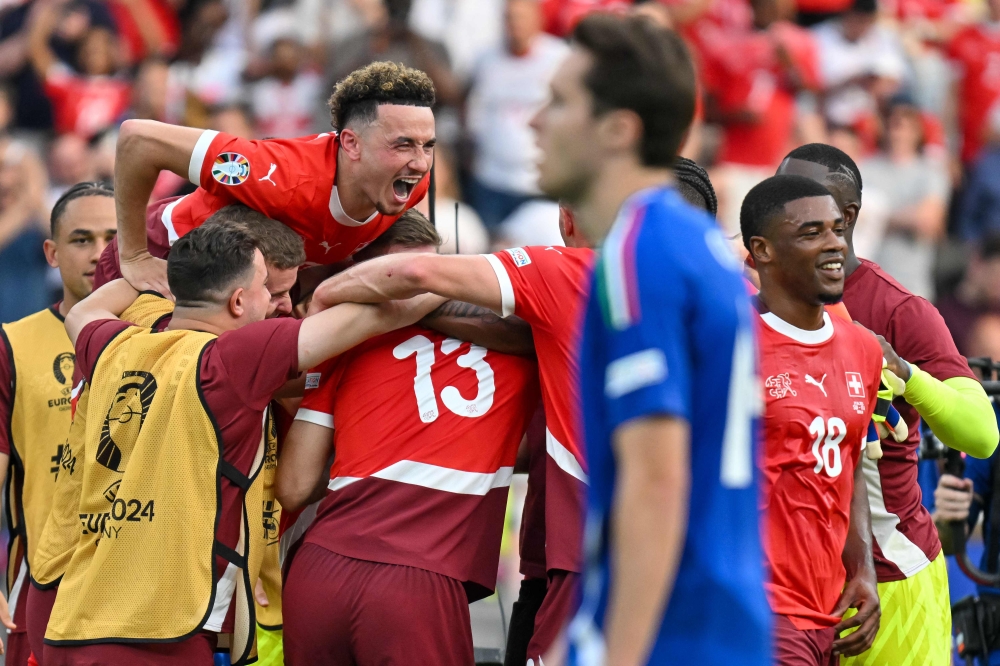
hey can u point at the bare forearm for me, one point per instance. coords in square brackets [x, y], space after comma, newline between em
[145, 147]
[302, 465]
[483, 327]
[649, 520]
[108, 302]
[374, 281]
[857, 556]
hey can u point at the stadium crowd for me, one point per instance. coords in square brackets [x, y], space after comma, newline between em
[796, 107]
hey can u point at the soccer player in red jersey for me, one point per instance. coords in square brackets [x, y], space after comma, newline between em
[546, 287]
[409, 530]
[338, 190]
[941, 389]
[822, 375]
[975, 53]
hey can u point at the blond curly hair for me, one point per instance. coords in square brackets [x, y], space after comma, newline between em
[358, 95]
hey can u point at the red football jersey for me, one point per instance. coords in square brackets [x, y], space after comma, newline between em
[426, 435]
[975, 50]
[820, 391]
[293, 181]
[547, 287]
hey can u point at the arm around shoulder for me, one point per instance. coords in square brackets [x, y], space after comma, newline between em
[108, 302]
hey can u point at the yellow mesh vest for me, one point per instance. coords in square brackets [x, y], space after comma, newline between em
[144, 567]
[61, 533]
[43, 362]
[268, 616]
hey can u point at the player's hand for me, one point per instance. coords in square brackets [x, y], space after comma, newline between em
[260, 595]
[146, 273]
[861, 592]
[896, 365]
[5, 618]
[952, 498]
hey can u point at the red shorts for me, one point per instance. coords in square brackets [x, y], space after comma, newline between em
[339, 611]
[801, 647]
[195, 651]
[553, 614]
[17, 646]
[39, 609]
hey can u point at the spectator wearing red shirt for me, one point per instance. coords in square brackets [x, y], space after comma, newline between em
[88, 102]
[975, 53]
[751, 77]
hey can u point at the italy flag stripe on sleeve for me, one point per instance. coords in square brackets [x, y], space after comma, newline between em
[617, 281]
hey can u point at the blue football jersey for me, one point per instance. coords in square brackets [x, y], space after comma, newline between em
[668, 332]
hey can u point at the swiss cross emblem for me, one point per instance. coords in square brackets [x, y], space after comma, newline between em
[855, 388]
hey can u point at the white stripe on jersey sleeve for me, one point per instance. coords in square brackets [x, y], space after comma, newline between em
[198, 156]
[506, 288]
[312, 416]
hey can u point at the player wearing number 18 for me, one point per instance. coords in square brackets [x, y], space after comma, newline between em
[821, 378]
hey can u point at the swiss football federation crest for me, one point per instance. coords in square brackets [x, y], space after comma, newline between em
[855, 387]
[125, 418]
[779, 386]
[231, 169]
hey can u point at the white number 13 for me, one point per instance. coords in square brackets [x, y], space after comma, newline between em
[423, 386]
[830, 434]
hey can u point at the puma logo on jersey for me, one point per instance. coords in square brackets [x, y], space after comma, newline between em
[268, 176]
[780, 386]
[817, 384]
[327, 247]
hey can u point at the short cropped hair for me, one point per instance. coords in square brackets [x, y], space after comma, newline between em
[767, 200]
[206, 262]
[837, 161]
[95, 188]
[281, 247]
[695, 186]
[357, 96]
[411, 230]
[643, 68]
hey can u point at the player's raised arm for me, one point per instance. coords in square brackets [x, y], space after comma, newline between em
[108, 302]
[396, 276]
[146, 147]
[336, 330]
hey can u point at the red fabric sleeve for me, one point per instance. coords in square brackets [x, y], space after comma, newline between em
[321, 386]
[524, 270]
[259, 358]
[92, 340]
[6, 395]
[920, 336]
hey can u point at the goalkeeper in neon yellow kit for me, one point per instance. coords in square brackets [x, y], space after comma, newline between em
[939, 387]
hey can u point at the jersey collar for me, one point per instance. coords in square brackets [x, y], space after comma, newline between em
[343, 218]
[798, 334]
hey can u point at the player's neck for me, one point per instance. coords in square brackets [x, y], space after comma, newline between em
[617, 181]
[851, 261]
[201, 319]
[353, 201]
[794, 311]
[68, 301]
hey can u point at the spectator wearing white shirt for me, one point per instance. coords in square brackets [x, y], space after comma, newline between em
[284, 101]
[862, 63]
[509, 85]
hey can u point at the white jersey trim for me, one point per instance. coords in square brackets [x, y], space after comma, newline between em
[198, 156]
[436, 478]
[337, 210]
[506, 288]
[312, 416]
[224, 590]
[13, 598]
[799, 334]
[895, 547]
[167, 217]
[563, 458]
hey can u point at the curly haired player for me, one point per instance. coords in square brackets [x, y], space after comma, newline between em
[338, 190]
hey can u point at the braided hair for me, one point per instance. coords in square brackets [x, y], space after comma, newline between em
[694, 185]
[93, 188]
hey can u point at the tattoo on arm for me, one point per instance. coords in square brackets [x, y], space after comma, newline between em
[482, 326]
[460, 310]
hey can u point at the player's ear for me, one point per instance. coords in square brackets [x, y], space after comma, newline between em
[350, 143]
[760, 251]
[851, 214]
[51, 255]
[236, 305]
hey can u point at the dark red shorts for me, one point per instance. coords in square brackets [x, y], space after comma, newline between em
[195, 651]
[39, 609]
[339, 611]
[801, 647]
[552, 616]
[16, 645]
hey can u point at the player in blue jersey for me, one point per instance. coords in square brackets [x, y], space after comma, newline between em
[675, 572]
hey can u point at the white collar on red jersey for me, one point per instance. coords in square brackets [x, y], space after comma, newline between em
[799, 334]
[343, 218]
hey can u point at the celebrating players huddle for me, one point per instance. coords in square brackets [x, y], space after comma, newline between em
[199, 473]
